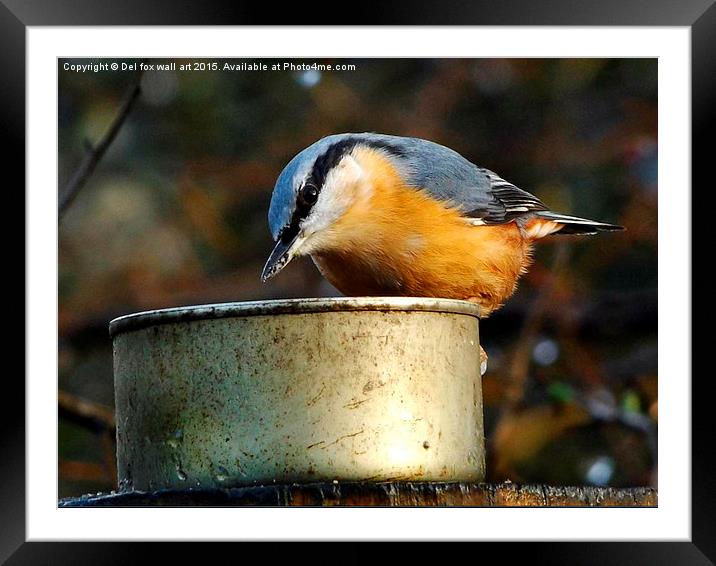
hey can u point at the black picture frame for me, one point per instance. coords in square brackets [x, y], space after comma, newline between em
[699, 15]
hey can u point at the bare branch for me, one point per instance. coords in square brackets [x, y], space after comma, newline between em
[519, 366]
[95, 154]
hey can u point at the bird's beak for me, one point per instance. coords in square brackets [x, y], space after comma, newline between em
[282, 253]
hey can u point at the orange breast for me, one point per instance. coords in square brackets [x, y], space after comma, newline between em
[403, 242]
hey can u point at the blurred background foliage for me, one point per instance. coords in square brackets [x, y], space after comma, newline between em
[175, 214]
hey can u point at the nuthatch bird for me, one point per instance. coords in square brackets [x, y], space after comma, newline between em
[394, 216]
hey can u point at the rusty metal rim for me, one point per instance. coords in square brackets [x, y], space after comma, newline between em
[144, 319]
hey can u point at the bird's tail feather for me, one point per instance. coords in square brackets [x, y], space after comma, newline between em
[576, 225]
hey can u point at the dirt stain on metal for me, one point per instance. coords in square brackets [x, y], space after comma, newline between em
[355, 404]
[337, 440]
[370, 385]
[317, 397]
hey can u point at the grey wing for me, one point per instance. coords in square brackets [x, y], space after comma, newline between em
[478, 192]
[507, 201]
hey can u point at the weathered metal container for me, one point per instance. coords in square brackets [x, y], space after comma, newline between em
[301, 390]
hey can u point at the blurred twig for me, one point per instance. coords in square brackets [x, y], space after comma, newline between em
[85, 413]
[519, 363]
[94, 154]
[518, 367]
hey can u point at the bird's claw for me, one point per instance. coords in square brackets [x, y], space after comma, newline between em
[483, 361]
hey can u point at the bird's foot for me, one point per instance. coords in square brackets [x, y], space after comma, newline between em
[483, 361]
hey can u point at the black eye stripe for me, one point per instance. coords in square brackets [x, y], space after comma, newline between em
[332, 156]
[329, 159]
[321, 168]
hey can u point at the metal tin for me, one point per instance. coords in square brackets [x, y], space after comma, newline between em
[300, 390]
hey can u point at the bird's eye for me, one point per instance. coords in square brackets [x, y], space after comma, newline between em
[309, 194]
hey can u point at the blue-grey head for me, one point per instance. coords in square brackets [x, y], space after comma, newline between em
[314, 190]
